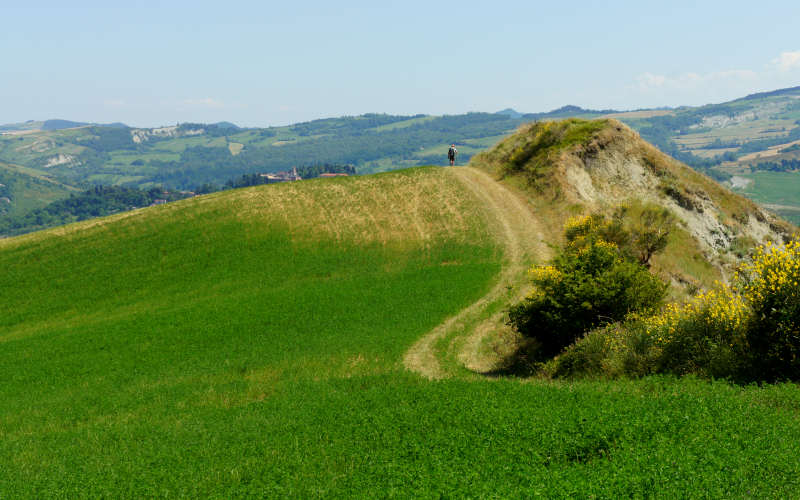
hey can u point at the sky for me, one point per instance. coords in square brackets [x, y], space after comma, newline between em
[266, 63]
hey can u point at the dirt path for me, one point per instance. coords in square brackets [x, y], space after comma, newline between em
[518, 231]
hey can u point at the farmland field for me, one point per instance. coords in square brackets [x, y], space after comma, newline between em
[250, 343]
[779, 191]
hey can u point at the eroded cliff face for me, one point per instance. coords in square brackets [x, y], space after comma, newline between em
[617, 165]
[610, 164]
[139, 135]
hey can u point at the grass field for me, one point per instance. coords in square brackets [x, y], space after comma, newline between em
[30, 188]
[404, 123]
[189, 314]
[249, 343]
[779, 191]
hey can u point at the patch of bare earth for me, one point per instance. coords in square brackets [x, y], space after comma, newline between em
[519, 232]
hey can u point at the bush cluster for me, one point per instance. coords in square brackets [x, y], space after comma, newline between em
[747, 331]
[770, 285]
[591, 282]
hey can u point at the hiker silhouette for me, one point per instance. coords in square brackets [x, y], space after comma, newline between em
[451, 154]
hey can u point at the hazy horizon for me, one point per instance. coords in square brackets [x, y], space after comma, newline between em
[257, 64]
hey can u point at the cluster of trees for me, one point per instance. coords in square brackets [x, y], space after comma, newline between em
[305, 172]
[317, 169]
[95, 202]
[745, 331]
[774, 166]
[720, 144]
[350, 125]
[106, 139]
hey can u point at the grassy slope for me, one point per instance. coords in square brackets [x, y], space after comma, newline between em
[29, 189]
[189, 314]
[248, 343]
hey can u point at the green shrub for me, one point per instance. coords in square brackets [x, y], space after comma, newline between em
[639, 229]
[749, 332]
[619, 349]
[771, 286]
[588, 284]
[704, 336]
[587, 358]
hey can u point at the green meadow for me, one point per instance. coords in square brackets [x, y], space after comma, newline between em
[776, 188]
[27, 190]
[249, 343]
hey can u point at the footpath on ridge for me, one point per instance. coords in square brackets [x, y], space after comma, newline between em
[519, 233]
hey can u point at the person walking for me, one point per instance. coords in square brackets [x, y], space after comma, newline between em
[451, 154]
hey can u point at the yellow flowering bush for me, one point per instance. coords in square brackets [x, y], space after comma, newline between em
[747, 331]
[590, 283]
[770, 285]
[640, 230]
[704, 336]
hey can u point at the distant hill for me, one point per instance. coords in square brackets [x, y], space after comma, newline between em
[226, 125]
[750, 138]
[61, 124]
[23, 190]
[792, 91]
[53, 124]
[28, 125]
[190, 154]
[568, 111]
[510, 112]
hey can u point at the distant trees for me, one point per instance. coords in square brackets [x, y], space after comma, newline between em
[105, 139]
[94, 202]
[306, 172]
[762, 144]
[774, 166]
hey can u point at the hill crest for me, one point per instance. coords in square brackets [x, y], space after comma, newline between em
[578, 166]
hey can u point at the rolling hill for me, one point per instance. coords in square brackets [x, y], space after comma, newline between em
[23, 190]
[751, 138]
[269, 341]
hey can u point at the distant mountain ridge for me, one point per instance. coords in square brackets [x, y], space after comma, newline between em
[747, 137]
[54, 124]
[772, 93]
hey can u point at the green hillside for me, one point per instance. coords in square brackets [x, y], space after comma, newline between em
[741, 137]
[23, 190]
[189, 155]
[261, 342]
[194, 312]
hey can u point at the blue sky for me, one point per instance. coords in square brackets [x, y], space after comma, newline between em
[271, 63]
